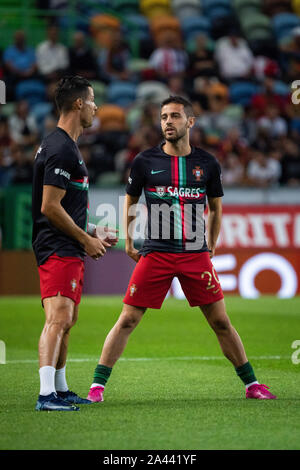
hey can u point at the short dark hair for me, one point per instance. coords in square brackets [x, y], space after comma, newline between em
[69, 89]
[188, 108]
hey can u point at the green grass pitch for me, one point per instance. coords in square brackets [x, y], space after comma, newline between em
[172, 389]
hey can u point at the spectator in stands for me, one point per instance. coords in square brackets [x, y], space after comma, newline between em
[169, 58]
[232, 170]
[248, 125]
[145, 137]
[1, 65]
[201, 61]
[49, 125]
[19, 59]
[234, 57]
[52, 57]
[150, 115]
[273, 7]
[21, 167]
[290, 55]
[218, 96]
[293, 113]
[203, 76]
[86, 151]
[22, 125]
[5, 173]
[5, 138]
[265, 67]
[198, 94]
[197, 137]
[233, 143]
[262, 170]
[19, 62]
[177, 87]
[214, 120]
[290, 163]
[82, 58]
[52, 4]
[272, 124]
[5, 142]
[268, 96]
[117, 59]
[263, 140]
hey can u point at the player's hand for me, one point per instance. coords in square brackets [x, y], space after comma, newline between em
[107, 234]
[211, 252]
[94, 247]
[133, 253]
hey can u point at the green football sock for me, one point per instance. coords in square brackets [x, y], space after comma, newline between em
[246, 373]
[101, 374]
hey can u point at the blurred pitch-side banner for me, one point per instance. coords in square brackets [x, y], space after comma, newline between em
[258, 251]
[257, 254]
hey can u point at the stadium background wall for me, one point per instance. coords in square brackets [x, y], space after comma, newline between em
[258, 249]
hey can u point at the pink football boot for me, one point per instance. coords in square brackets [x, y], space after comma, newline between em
[260, 392]
[96, 394]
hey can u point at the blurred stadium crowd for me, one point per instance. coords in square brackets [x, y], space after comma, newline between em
[235, 60]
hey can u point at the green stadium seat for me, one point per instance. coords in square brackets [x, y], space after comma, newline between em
[284, 23]
[186, 8]
[8, 109]
[17, 218]
[108, 179]
[100, 92]
[243, 7]
[195, 25]
[256, 26]
[133, 116]
[136, 25]
[152, 91]
[138, 65]
[12, 3]
[126, 6]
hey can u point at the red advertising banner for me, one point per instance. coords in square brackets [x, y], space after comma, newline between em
[258, 251]
[260, 227]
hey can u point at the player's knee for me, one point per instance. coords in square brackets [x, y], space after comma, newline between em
[128, 322]
[130, 317]
[221, 325]
[63, 321]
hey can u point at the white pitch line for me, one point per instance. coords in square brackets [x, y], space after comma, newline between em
[149, 359]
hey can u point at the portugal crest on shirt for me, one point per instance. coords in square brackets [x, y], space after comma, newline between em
[160, 190]
[197, 172]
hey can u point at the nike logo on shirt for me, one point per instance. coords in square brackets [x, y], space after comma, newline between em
[153, 172]
[80, 162]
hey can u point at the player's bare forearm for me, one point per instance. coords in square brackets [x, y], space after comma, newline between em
[61, 220]
[56, 214]
[214, 222]
[129, 222]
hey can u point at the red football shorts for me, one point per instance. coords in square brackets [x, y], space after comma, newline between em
[153, 275]
[62, 275]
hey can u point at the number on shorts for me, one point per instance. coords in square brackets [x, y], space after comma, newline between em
[210, 277]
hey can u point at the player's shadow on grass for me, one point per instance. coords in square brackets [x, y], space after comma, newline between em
[167, 403]
[202, 401]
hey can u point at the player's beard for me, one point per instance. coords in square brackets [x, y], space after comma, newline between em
[177, 135]
[87, 123]
[87, 120]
